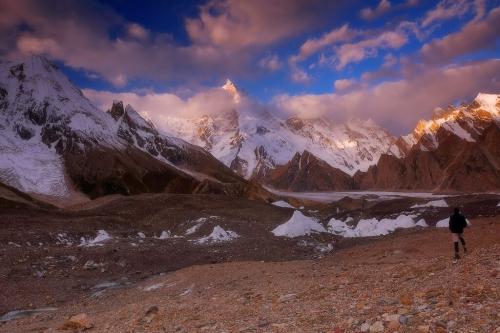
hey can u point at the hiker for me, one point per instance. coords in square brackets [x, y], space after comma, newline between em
[457, 224]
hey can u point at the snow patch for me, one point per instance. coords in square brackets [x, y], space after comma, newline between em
[422, 223]
[63, 239]
[282, 203]
[153, 287]
[444, 223]
[218, 235]
[298, 225]
[372, 227]
[101, 237]
[435, 203]
[165, 235]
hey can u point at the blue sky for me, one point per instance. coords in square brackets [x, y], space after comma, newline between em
[306, 57]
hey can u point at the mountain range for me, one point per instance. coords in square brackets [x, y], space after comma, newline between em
[55, 142]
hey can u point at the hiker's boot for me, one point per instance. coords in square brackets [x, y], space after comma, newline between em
[457, 256]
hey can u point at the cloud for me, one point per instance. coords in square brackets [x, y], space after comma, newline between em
[448, 9]
[475, 36]
[299, 76]
[313, 45]
[356, 52]
[157, 106]
[235, 24]
[272, 63]
[344, 84]
[398, 105]
[226, 37]
[136, 30]
[383, 7]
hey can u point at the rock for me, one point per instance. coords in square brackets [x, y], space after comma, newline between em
[393, 325]
[378, 326]
[423, 328]
[403, 320]
[406, 300]
[364, 327]
[392, 317]
[280, 326]
[287, 298]
[263, 323]
[150, 314]
[79, 322]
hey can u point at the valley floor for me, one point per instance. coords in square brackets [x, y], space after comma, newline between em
[404, 282]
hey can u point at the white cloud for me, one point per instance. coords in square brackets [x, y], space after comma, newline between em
[156, 106]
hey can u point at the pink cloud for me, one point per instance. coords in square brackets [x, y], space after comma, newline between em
[398, 105]
[448, 9]
[227, 36]
[474, 36]
[235, 24]
[383, 7]
[343, 85]
[137, 31]
[313, 45]
[272, 63]
[355, 52]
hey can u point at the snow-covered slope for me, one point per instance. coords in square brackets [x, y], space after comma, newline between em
[252, 141]
[467, 122]
[41, 112]
[53, 141]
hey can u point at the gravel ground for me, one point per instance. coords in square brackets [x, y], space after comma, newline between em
[404, 282]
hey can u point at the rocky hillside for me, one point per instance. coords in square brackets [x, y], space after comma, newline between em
[54, 142]
[306, 172]
[457, 150]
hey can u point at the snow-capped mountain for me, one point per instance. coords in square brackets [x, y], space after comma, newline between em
[459, 149]
[467, 121]
[252, 141]
[53, 141]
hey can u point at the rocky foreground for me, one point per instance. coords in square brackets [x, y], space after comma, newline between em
[405, 282]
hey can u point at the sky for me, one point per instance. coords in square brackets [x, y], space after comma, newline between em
[391, 61]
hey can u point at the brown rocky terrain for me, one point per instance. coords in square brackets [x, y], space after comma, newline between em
[406, 282]
[155, 258]
[454, 165]
[306, 172]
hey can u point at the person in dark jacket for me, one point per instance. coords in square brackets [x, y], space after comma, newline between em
[458, 223]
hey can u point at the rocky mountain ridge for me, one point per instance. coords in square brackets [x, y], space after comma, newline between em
[54, 142]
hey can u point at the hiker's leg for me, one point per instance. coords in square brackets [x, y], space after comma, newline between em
[455, 244]
[462, 240]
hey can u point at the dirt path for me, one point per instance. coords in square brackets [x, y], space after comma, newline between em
[405, 282]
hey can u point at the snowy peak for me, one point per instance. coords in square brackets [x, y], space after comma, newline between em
[231, 88]
[467, 122]
[489, 103]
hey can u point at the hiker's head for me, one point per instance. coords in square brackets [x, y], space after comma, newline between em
[456, 210]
